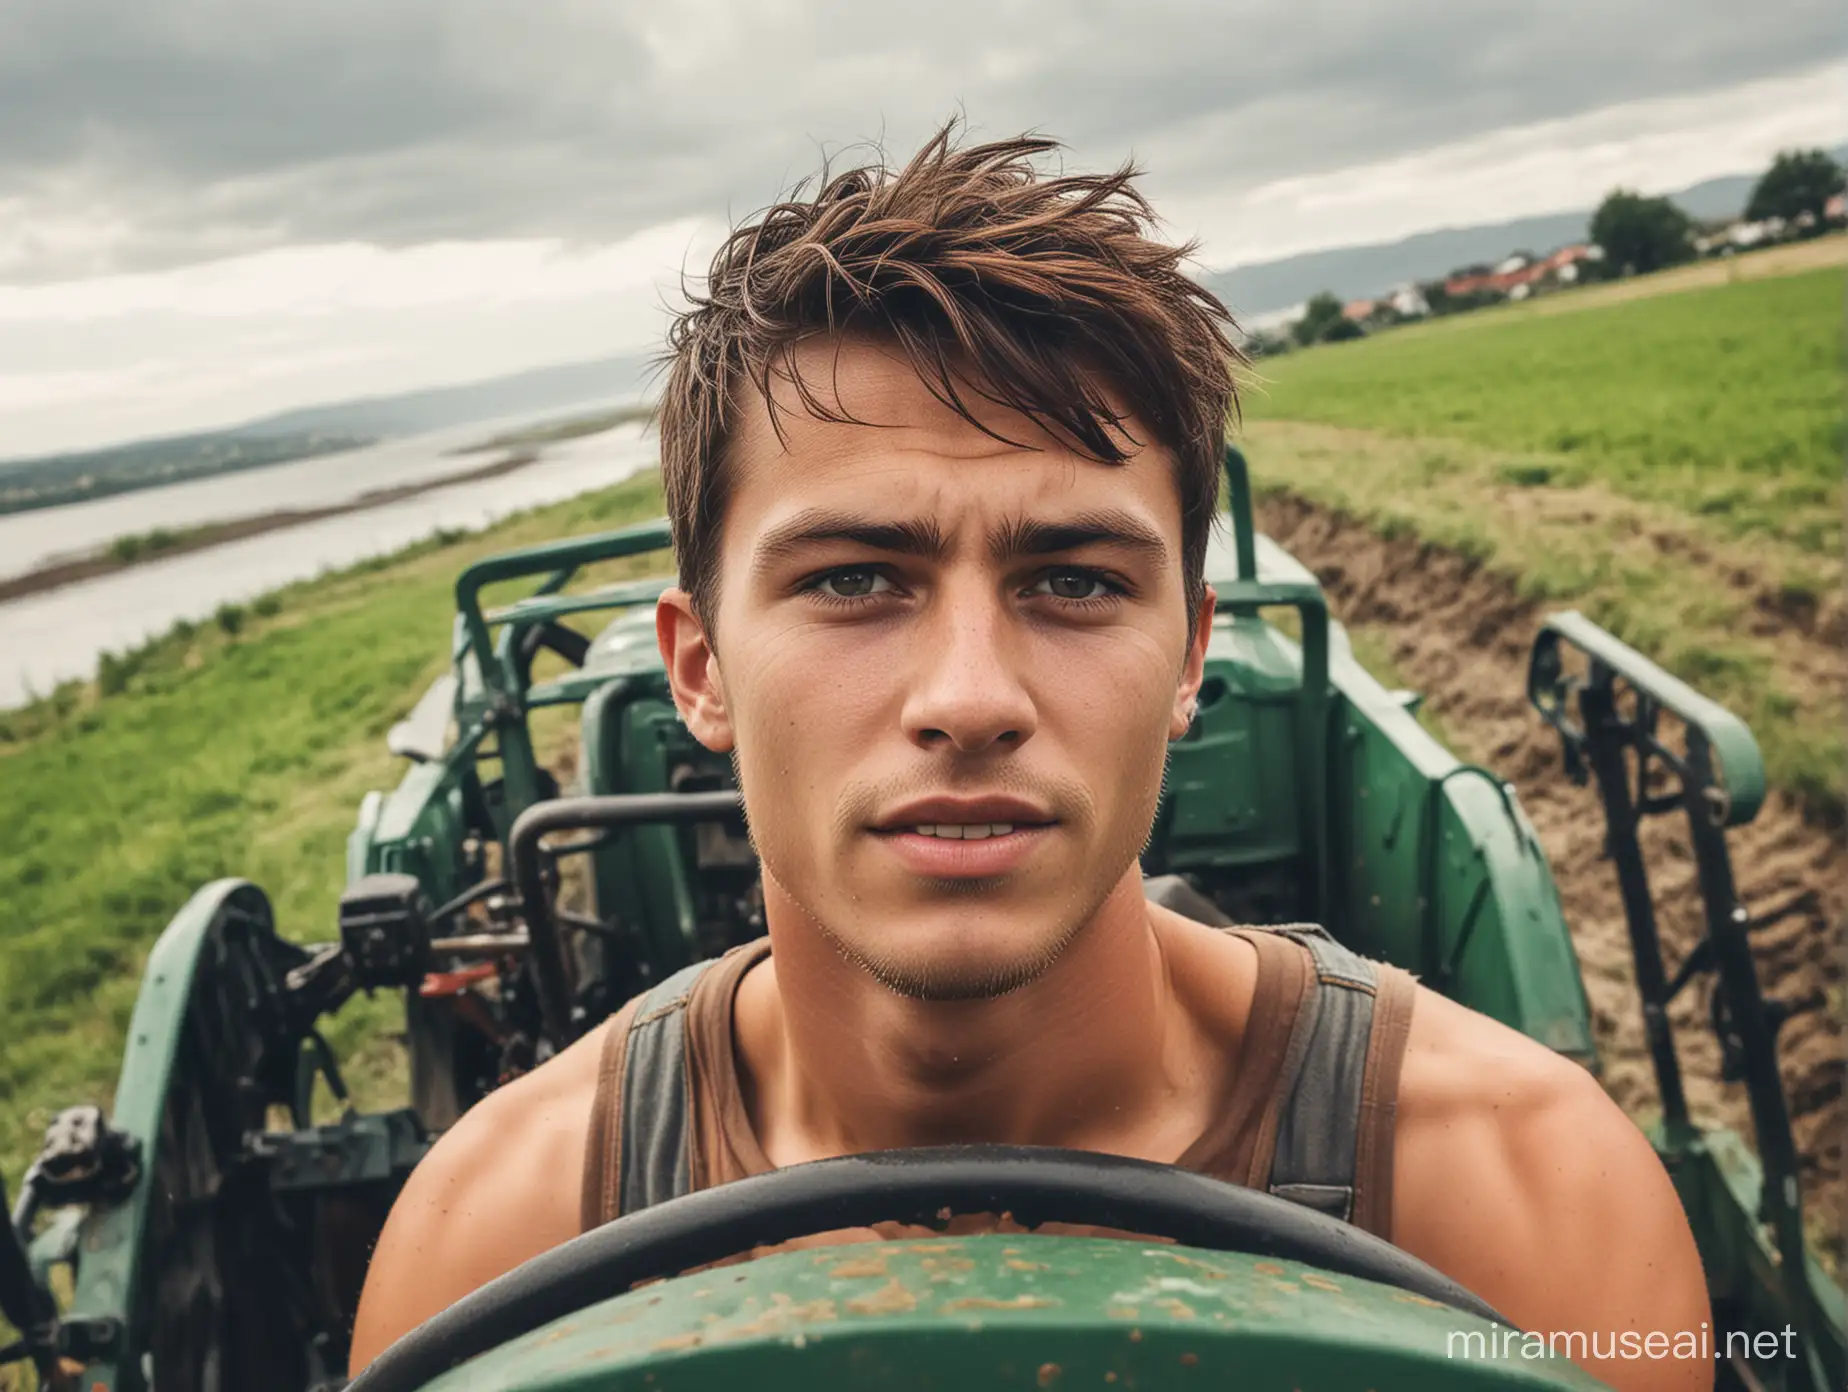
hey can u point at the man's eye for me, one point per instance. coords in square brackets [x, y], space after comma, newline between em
[857, 582]
[1076, 585]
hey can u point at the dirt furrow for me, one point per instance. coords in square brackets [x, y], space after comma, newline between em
[1459, 632]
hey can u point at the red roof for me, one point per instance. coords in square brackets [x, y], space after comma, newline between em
[1527, 275]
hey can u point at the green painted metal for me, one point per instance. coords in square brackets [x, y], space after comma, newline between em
[1238, 498]
[1248, 598]
[1746, 1209]
[1424, 861]
[1014, 1311]
[541, 607]
[549, 558]
[500, 673]
[111, 1282]
[1740, 768]
[1721, 1184]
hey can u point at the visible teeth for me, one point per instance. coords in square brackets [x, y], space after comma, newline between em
[958, 831]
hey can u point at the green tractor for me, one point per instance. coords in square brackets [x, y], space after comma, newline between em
[209, 1236]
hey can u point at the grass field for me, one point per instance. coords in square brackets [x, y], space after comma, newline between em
[1672, 464]
[1725, 402]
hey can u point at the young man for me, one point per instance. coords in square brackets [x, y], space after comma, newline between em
[941, 454]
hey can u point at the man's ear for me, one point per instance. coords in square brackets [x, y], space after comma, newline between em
[1187, 694]
[693, 671]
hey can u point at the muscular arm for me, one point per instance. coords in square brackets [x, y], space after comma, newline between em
[500, 1187]
[1518, 1177]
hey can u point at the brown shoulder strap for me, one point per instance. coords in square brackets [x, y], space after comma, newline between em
[599, 1201]
[1379, 1100]
[1337, 1091]
[642, 1139]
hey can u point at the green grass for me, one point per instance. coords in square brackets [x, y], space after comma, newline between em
[240, 746]
[1671, 465]
[1725, 402]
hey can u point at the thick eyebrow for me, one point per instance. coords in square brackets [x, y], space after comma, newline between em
[817, 525]
[1112, 527]
[923, 537]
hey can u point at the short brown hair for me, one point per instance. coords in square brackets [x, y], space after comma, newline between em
[1034, 290]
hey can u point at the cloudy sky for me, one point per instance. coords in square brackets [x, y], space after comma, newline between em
[209, 210]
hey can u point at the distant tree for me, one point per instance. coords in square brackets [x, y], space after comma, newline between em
[1259, 344]
[1798, 181]
[1341, 330]
[1320, 316]
[1641, 234]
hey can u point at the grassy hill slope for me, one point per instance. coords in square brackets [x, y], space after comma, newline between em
[1672, 464]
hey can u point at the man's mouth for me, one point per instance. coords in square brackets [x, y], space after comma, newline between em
[962, 831]
[965, 850]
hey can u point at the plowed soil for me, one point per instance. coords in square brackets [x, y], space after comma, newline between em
[1458, 631]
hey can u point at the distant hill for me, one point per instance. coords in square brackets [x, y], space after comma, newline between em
[52, 480]
[1267, 287]
[410, 413]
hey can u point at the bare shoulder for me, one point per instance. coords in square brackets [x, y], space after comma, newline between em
[1517, 1176]
[499, 1187]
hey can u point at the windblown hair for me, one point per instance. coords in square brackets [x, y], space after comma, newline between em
[1041, 293]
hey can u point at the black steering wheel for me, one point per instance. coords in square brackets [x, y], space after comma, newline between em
[1035, 1185]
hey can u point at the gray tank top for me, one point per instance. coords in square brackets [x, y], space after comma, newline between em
[1335, 1091]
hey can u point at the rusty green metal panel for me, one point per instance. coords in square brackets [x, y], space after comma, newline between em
[1022, 1311]
[111, 1282]
[1428, 863]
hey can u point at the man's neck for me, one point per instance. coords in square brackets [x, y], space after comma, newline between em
[1089, 1055]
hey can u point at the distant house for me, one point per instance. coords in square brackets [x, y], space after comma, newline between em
[1519, 273]
[1359, 310]
[1409, 302]
[1750, 234]
[1563, 265]
[1836, 209]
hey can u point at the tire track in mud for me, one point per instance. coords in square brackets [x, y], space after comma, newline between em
[1459, 632]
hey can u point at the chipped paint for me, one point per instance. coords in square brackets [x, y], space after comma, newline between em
[890, 1299]
[1201, 1306]
[958, 1264]
[783, 1312]
[859, 1267]
[1048, 1374]
[984, 1302]
[1213, 1273]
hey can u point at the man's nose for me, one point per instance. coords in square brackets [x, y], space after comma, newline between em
[969, 690]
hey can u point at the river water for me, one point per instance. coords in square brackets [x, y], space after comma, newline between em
[47, 638]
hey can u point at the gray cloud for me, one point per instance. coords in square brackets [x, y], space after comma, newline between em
[139, 136]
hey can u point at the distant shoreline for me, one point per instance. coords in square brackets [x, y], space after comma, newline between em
[210, 534]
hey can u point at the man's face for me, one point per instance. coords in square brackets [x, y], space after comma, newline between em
[947, 669]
